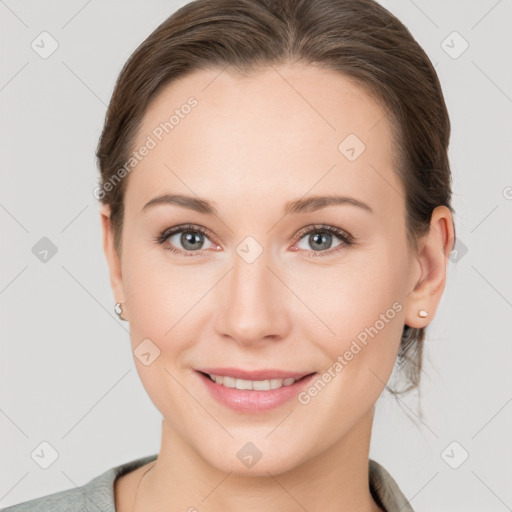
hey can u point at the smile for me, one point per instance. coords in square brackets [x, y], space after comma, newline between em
[253, 396]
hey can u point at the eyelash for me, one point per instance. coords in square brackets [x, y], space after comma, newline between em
[346, 238]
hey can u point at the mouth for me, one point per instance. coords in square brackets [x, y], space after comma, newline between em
[264, 390]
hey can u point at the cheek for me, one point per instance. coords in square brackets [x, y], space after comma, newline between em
[365, 312]
[161, 299]
[358, 307]
[159, 291]
[158, 298]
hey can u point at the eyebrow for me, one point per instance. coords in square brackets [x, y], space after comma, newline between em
[304, 205]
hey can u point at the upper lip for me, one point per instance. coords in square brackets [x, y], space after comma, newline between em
[263, 374]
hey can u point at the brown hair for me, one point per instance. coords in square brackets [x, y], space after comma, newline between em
[359, 38]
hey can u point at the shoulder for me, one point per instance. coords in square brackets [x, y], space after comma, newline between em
[95, 495]
[69, 500]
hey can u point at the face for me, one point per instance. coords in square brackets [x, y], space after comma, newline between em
[257, 276]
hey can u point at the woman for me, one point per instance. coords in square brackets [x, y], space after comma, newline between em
[275, 205]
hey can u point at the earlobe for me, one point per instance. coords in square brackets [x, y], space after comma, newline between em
[113, 260]
[433, 251]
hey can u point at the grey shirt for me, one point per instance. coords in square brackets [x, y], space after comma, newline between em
[98, 494]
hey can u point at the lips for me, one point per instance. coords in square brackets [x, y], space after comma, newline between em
[253, 391]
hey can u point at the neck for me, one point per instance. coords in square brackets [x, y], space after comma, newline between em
[336, 479]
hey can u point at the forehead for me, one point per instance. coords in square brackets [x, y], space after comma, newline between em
[286, 129]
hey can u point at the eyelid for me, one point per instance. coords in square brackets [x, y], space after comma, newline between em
[167, 233]
[346, 238]
[324, 227]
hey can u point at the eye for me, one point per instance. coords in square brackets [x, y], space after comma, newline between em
[185, 239]
[320, 238]
[192, 238]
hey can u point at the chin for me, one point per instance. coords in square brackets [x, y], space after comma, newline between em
[255, 459]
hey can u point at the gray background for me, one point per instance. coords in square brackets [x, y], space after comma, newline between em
[67, 374]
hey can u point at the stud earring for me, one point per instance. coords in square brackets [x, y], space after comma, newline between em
[119, 310]
[422, 313]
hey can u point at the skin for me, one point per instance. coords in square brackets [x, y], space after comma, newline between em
[250, 153]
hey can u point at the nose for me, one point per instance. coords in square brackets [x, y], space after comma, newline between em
[253, 303]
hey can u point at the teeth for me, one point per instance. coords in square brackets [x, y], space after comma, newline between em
[258, 385]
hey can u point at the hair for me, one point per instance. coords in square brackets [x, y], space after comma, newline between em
[360, 39]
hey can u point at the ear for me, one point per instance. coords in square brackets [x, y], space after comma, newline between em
[113, 259]
[434, 249]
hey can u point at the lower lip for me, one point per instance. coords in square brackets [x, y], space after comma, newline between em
[252, 401]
